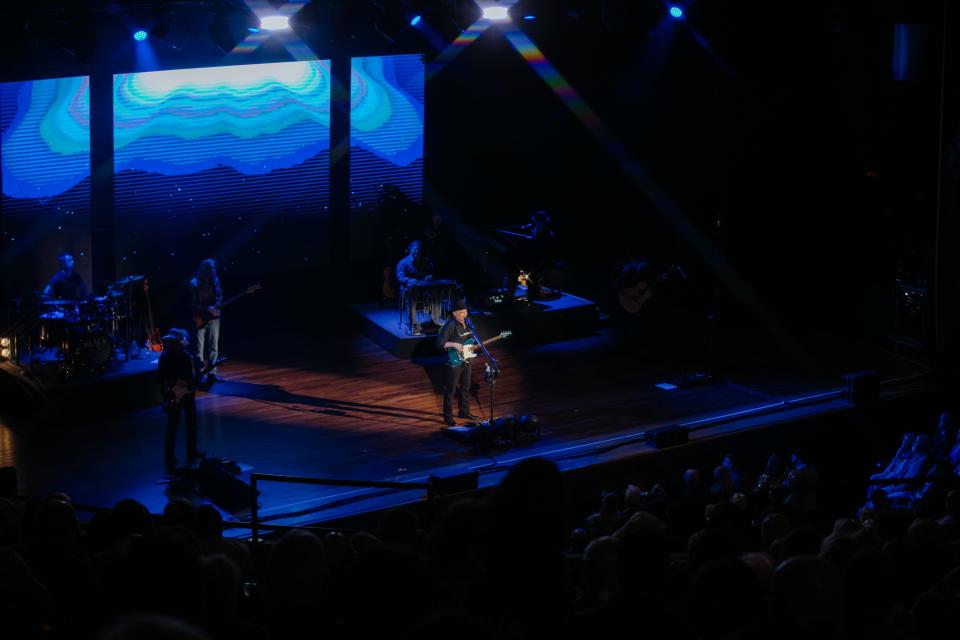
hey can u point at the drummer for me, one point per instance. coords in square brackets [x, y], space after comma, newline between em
[67, 283]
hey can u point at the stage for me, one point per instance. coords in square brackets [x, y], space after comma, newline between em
[558, 317]
[342, 407]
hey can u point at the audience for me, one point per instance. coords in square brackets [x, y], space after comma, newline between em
[735, 559]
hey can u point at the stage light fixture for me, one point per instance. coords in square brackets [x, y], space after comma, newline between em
[140, 35]
[4, 342]
[5, 353]
[415, 21]
[496, 14]
[275, 23]
[676, 12]
[530, 18]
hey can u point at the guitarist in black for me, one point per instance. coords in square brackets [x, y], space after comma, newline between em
[453, 335]
[206, 298]
[177, 374]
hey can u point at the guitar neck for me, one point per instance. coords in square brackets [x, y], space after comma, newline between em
[492, 340]
[232, 299]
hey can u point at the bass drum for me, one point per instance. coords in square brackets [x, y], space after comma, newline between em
[92, 351]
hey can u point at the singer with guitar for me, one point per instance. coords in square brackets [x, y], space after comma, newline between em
[177, 375]
[457, 375]
[206, 300]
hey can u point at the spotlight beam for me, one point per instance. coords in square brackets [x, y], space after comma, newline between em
[455, 48]
[666, 206]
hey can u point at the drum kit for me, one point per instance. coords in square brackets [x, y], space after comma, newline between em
[81, 334]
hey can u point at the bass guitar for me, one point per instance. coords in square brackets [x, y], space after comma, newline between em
[201, 318]
[175, 390]
[471, 348]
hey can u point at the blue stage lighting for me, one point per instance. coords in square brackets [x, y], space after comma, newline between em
[140, 35]
[676, 12]
[415, 21]
[529, 18]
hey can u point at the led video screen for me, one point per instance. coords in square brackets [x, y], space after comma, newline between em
[236, 140]
[45, 158]
[386, 128]
[45, 145]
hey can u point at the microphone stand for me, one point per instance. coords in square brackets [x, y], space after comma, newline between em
[491, 367]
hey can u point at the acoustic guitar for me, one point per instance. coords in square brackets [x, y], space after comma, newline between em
[633, 298]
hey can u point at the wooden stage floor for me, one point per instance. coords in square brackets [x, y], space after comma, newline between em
[345, 408]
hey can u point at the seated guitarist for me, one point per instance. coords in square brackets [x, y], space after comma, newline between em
[414, 269]
[177, 376]
[453, 335]
[206, 297]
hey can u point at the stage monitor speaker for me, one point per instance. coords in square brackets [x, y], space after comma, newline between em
[670, 436]
[862, 387]
[218, 483]
[458, 483]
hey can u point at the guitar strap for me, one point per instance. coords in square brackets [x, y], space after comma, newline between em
[483, 348]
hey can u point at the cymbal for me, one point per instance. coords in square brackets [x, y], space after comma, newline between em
[53, 303]
[122, 282]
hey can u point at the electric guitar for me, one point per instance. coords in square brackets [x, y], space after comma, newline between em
[470, 348]
[201, 318]
[175, 390]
